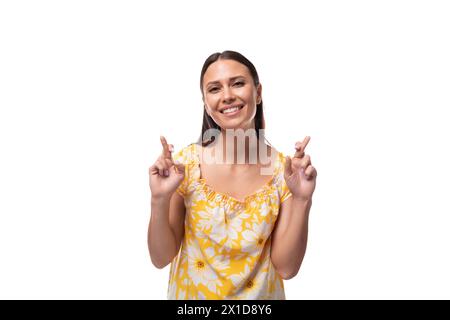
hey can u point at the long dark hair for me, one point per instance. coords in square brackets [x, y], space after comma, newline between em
[208, 122]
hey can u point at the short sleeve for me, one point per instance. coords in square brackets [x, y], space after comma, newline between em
[182, 156]
[283, 189]
[285, 193]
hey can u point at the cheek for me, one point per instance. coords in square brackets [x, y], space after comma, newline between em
[210, 103]
[250, 96]
[212, 100]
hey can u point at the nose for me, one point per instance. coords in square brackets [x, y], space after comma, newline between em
[228, 95]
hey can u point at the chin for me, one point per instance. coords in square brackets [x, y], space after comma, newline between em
[236, 126]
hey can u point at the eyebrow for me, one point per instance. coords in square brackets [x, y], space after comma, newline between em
[232, 78]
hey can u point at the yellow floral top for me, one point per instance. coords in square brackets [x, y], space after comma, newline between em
[225, 252]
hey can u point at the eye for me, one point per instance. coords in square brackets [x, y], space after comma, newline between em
[213, 89]
[239, 83]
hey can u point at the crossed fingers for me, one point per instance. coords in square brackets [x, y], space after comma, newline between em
[165, 160]
[300, 161]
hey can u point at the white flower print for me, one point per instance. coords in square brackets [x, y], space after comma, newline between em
[225, 253]
[253, 287]
[264, 209]
[204, 221]
[200, 271]
[234, 227]
[218, 262]
[211, 223]
[239, 278]
[254, 239]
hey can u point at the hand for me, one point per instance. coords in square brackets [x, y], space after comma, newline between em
[299, 174]
[165, 175]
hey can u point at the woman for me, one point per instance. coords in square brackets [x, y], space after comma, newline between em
[230, 229]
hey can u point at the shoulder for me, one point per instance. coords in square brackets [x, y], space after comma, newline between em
[279, 164]
[186, 155]
[281, 186]
[278, 157]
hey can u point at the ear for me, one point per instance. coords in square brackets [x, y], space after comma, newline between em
[259, 94]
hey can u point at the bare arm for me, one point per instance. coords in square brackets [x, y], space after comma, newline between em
[290, 237]
[166, 229]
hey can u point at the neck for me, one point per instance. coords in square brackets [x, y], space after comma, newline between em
[239, 147]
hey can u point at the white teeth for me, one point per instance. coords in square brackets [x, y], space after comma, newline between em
[230, 110]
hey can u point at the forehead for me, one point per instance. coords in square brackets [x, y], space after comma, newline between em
[225, 69]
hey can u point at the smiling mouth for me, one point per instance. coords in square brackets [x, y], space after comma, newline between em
[231, 110]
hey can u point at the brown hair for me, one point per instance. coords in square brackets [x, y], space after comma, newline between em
[208, 122]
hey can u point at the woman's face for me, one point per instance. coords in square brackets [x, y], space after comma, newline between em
[230, 95]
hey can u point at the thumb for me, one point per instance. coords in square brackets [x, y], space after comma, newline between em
[288, 167]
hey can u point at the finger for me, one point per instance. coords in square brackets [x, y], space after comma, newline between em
[165, 162]
[287, 167]
[296, 164]
[168, 164]
[305, 162]
[310, 172]
[160, 167]
[166, 149]
[299, 153]
[153, 170]
[300, 147]
[305, 142]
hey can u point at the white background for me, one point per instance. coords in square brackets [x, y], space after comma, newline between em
[87, 87]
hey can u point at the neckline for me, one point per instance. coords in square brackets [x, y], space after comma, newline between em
[262, 189]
